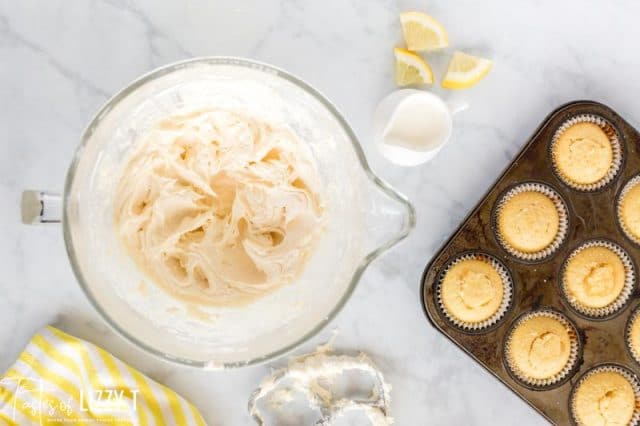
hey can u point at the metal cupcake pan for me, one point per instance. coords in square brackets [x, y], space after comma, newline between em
[592, 215]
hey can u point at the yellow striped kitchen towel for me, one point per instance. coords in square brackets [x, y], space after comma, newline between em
[61, 380]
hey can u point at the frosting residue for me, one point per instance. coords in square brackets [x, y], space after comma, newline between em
[312, 375]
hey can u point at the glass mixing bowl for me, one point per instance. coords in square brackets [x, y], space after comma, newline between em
[365, 217]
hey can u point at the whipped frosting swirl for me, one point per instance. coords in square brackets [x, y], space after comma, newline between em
[219, 207]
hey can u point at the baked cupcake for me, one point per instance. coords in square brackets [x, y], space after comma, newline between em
[632, 334]
[598, 278]
[474, 291]
[629, 209]
[541, 348]
[605, 395]
[531, 221]
[586, 152]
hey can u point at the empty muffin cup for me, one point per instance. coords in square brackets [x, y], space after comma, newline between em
[607, 394]
[542, 349]
[531, 221]
[586, 152]
[597, 279]
[474, 291]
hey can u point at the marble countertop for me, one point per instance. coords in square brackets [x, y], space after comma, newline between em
[61, 59]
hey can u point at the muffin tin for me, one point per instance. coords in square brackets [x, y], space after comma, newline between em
[536, 282]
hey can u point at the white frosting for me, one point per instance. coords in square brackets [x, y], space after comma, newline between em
[219, 207]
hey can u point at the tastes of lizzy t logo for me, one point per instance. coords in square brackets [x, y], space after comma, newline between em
[48, 404]
[109, 400]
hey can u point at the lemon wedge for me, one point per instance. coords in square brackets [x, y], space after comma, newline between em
[422, 32]
[465, 71]
[411, 68]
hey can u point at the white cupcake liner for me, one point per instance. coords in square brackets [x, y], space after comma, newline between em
[625, 190]
[563, 215]
[572, 362]
[635, 316]
[616, 147]
[609, 367]
[507, 293]
[627, 289]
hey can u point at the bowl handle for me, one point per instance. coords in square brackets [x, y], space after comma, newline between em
[41, 207]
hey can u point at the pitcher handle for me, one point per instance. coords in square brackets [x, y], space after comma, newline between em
[41, 207]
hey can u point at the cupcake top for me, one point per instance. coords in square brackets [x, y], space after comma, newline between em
[528, 221]
[472, 290]
[604, 398]
[583, 153]
[629, 210]
[634, 337]
[539, 347]
[594, 277]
